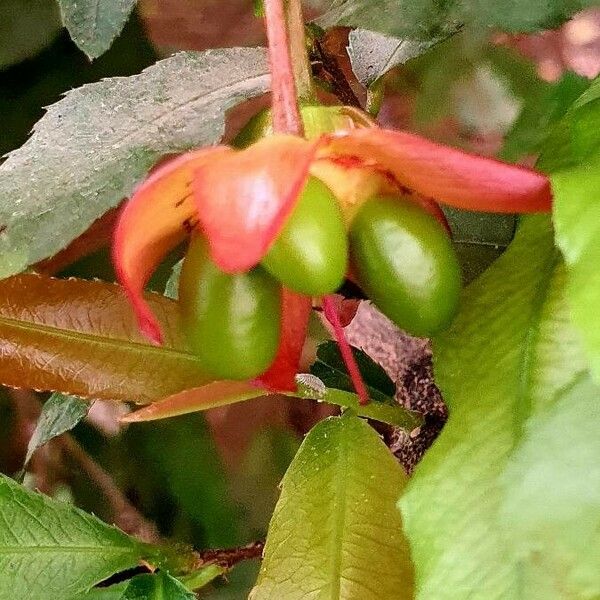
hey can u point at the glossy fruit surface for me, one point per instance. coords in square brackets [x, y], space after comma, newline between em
[232, 322]
[310, 255]
[404, 261]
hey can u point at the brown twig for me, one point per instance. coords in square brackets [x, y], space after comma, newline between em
[228, 557]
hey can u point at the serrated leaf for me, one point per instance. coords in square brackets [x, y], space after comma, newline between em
[427, 19]
[60, 413]
[70, 550]
[90, 149]
[94, 24]
[331, 370]
[551, 504]
[335, 533]
[572, 157]
[373, 54]
[81, 337]
[26, 27]
[511, 348]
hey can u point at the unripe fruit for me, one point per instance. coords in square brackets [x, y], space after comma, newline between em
[232, 322]
[404, 261]
[310, 254]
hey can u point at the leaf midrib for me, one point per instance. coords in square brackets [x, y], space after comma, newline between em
[339, 520]
[70, 334]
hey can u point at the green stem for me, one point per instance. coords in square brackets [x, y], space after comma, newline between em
[298, 50]
[375, 94]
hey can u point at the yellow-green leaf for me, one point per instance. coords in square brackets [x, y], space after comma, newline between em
[335, 533]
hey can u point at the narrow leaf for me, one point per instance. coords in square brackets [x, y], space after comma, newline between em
[335, 532]
[81, 338]
[211, 395]
[95, 145]
[60, 413]
[94, 24]
[511, 348]
[71, 550]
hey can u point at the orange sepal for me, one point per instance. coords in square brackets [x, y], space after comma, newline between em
[158, 216]
[243, 199]
[295, 312]
[445, 174]
[211, 395]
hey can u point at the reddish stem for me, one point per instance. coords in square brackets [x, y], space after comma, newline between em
[349, 360]
[286, 115]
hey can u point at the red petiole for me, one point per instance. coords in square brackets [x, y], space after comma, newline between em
[338, 331]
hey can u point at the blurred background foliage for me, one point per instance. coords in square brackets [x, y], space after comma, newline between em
[211, 480]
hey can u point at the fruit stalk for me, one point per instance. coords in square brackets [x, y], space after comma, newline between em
[299, 53]
[286, 114]
[353, 370]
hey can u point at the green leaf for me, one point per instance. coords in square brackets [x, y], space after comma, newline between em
[95, 145]
[572, 157]
[335, 532]
[60, 413]
[155, 586]
[52, 550]
[543, 105]
[331, 370]
[552, 497]
[509, 351]
[427, 19]
[26, 27]
[184, 461]
[479, 238]
[81, 337]
[257, 477]
[94, 24]
[373, 54]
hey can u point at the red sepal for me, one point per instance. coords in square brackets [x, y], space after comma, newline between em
[295, 312]
[159, 215]
[243, 199]
[445, 174]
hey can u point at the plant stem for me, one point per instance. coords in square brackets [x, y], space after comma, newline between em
[286, 114]
[349, 360]
[228, 557]
[298, 50]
